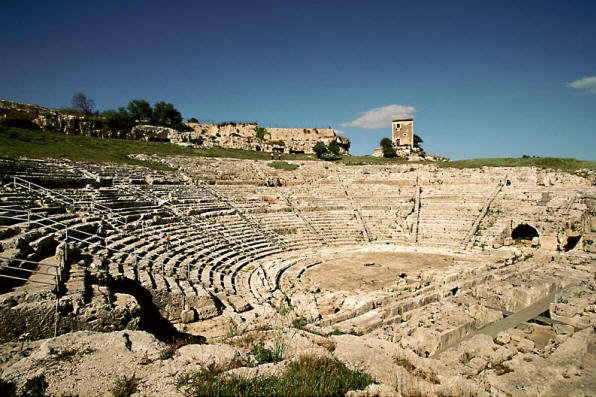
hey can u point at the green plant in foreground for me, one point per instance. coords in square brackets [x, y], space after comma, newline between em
[299, 322]
[308, 376]
[264, 355]
[125, 386]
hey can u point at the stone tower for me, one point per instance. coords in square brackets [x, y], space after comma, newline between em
[403, 132]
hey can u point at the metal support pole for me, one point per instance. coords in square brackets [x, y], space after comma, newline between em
[66, 245]
[56, 314]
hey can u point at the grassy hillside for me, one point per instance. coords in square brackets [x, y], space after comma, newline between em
[21, 142]
[16, 142]
[541, 162]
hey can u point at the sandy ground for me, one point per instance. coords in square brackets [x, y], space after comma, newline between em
[369, 271]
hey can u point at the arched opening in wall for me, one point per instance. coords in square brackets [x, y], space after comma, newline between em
[258, 148]
[571, 243]
[524, 232]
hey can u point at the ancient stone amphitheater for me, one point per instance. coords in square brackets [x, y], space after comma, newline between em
[435, 281]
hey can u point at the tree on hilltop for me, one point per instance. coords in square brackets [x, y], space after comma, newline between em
[140, 110]
[327, 152]
[333, 147]
[388, 149]
[320, 148]
[118, 120]
[166, 114]
[80, 102]
[417, 140]
[386, 142]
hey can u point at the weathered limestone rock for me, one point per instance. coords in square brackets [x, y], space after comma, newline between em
[503, 338]
[525, 346]
[154, 133]
[187, 316]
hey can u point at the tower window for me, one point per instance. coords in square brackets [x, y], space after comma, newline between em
[397, 126]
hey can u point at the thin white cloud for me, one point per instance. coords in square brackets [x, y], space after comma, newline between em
[381, 117]
[587, 84]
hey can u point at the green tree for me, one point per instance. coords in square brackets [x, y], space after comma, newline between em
[333, 147]
[261, 132]
[388, 149]
[140, 111]
[385, 142]
[389, 152]
[320, 148]
[417, 140]
[193, 120]
[166, 114]
[118, 120]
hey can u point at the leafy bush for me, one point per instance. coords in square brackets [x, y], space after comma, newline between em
[320, 148]
[333, 147]
[327, 152]
[308, 376]
[328, 156]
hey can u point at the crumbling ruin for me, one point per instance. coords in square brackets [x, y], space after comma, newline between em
[435, 281]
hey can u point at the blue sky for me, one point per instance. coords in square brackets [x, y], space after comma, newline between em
[481, 78]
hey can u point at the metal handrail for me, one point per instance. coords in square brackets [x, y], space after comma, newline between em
[28, 184]
[18, 181]
[84, 241]
[57, 274]
[27, 261]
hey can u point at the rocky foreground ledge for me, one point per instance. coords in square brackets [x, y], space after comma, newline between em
[90, 364]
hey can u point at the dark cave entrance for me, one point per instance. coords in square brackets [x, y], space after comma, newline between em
[571, 243]
[524, 232]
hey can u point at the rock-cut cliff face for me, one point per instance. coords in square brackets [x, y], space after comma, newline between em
[244, 136]
[56, 120]
[227, 135]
